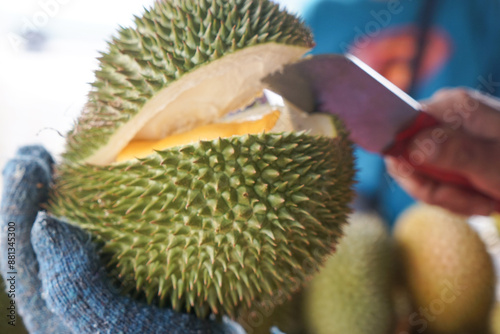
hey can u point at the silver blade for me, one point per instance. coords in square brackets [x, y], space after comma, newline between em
[373, 109]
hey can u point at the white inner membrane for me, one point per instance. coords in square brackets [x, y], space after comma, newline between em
[201, 97]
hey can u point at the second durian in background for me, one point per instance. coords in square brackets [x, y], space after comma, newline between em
[448, 271]
[353, 292]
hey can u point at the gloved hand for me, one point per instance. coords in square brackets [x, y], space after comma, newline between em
[59, 282]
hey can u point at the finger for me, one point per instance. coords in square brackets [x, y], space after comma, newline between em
[37, 152]
[453, 198]
[460, 108]
[26, 183]
[78, 290]
[475, 158]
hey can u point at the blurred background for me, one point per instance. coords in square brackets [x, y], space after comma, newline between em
[47, 58]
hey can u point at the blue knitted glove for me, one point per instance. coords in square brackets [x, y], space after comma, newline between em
[60, 285]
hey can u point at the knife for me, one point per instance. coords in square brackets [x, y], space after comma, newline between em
[381, 118]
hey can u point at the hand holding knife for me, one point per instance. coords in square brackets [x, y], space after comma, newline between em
[381, 117]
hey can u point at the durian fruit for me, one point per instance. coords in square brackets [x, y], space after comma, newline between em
[200, 209]
[353, 292]
[448, 271]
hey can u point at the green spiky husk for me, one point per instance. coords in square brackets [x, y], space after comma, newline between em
[173, 38]
[211, 226]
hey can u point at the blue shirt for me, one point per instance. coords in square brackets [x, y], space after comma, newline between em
[462, 48]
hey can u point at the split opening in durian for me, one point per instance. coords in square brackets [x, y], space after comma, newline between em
[262, 116]
[201, 97]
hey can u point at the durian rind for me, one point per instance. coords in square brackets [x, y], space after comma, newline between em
[216, 224]
[173, 39]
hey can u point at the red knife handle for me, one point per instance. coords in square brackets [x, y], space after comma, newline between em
[400, 149]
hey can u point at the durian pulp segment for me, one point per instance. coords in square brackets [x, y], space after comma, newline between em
[201, 96]
[143, 148]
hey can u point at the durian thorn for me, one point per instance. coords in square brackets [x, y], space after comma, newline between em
[174, 282]
[149, 298]
[219, 278]
[268, 288]
[219, 294]
[133, 207]
[254, 270]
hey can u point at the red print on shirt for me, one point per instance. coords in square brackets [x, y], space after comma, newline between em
[392, 51]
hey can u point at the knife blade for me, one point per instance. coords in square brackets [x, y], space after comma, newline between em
[373, 109]
[380, 117]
